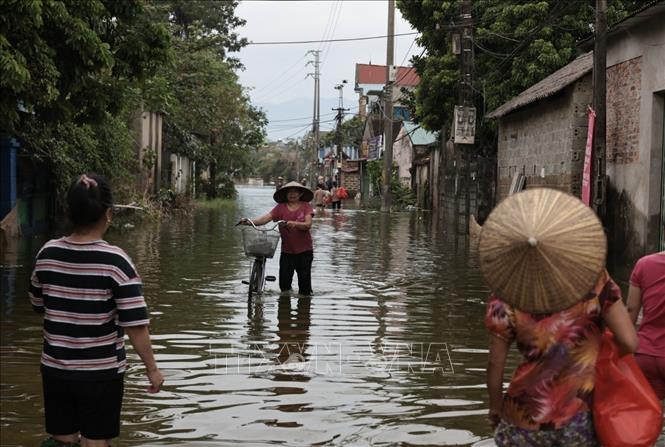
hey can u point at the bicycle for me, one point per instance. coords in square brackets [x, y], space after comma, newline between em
[260, 244]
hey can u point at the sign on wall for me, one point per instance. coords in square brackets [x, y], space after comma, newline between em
[465, 125]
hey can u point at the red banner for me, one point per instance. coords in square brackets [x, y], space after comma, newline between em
[586, 173]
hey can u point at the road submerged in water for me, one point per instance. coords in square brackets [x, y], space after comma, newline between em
[390, 350]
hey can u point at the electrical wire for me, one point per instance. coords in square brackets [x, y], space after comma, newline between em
[299, 119]
[349, 39]
[269, 83]
[332, 34]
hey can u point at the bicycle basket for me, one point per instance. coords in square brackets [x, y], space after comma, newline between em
[259, 242]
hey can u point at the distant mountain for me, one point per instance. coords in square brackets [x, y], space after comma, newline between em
[298, 112]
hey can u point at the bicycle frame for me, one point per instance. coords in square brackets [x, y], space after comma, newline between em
[257, 274]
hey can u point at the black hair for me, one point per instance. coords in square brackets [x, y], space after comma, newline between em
[88, 198]
[334, 184]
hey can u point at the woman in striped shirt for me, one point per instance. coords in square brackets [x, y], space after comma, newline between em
[90, 294]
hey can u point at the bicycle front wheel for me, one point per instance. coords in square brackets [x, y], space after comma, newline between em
[256, 277]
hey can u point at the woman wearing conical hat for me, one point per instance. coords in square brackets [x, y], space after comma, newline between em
[542, 252]
[297, 250]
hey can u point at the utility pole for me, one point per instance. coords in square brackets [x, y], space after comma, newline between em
[338, 136]
[297, 162]
[599, 106]
[386, 197]
[464, 119]
[316, 114]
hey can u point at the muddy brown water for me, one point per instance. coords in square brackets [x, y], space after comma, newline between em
[391, 349]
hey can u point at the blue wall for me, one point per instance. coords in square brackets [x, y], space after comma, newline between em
[8, 148]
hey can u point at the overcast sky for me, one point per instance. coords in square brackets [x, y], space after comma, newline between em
[276, 73]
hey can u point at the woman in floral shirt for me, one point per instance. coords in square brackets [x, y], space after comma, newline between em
[548, 401]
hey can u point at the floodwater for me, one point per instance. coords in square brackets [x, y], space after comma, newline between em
[391, 349]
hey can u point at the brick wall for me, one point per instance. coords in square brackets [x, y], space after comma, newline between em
[545, 141]
[351, 181]
[623, 111]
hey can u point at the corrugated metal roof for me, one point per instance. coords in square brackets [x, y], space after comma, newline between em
[418, 135]
[552, 84]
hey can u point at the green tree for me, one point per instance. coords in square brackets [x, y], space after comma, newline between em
[209, 116]
[69, 73]
[352, 133]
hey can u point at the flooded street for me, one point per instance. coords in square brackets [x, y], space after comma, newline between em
[390, 350]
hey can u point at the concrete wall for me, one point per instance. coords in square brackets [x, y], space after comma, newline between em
[148, 131]
[181, 174]
[635, 104]
[545, 141]
[403, 157]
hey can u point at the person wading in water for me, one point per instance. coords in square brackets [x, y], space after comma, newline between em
[297, 249]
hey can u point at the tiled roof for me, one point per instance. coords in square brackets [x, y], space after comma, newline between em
[552, 84]
[376, 74]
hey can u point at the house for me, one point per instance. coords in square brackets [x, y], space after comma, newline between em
[424, 166]
[370, 82]
[542, 132]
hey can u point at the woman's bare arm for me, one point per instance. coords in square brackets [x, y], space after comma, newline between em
[622, 327]
[263, 219]
[304, 226]
[140, 338]
[634, 302]
[495, 368]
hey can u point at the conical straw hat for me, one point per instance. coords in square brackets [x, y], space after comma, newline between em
[280, 194]
[542, 250]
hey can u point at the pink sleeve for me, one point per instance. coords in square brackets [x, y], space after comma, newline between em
[309, 210]
[636, 276]
[499, 319]
[276, 212]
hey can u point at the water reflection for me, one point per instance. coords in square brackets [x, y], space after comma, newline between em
[389, 350]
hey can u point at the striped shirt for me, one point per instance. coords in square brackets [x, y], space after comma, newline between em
[88, 292]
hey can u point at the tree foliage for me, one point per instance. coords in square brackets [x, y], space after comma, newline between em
[74, 74]
[273, 162]
[352, 133]
[209, 116]
[516, 44]
[69, 72]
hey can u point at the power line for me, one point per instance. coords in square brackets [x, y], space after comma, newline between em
[297, 119]
[276, 78]
[333, 7]
[350, 39]
[407, 51]
[332, 34]
[294, 126]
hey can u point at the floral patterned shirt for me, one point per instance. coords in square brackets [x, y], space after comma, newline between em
[555, 379]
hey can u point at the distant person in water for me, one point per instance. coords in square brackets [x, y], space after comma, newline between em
[279, 183]
[336, 200]
[319, 196]
[90, 294]
[297, 249]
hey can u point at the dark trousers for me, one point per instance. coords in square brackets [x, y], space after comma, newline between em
[337, 205]
[301, 264]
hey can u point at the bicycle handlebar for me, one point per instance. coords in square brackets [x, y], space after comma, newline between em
[279, 223]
